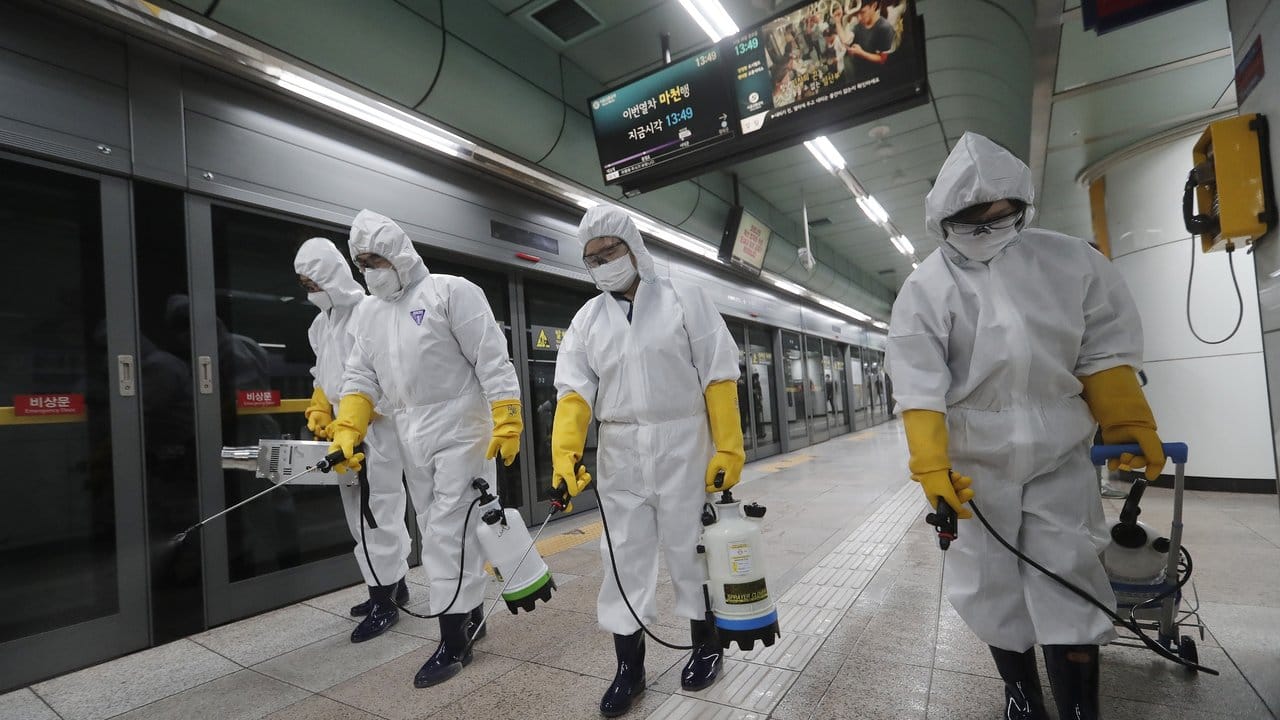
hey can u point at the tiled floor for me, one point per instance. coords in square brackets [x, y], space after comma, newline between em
[867, 633]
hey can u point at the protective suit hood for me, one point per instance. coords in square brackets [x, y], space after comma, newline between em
[321, 260]
[977, 171]
[610, 221]
[380, 235]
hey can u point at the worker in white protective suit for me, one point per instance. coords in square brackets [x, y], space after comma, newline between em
[428, 351]
[1005, 347]
[656, 365]
[326, 275]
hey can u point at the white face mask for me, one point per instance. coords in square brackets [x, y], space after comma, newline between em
[321, 300]
[382, 282]
[615, 275]
[985, 246]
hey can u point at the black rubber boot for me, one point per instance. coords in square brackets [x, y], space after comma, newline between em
[401, 597]
[1073, 675]
[629, 682]
[473, 622]
[707, 658]
[452, 655]
[1023, 697]
[382, 615]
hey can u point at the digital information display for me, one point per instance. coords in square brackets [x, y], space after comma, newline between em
[680, 109]
[1103, 16]
[817, 67]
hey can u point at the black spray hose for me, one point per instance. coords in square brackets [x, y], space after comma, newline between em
[1128, 623]
[618, 579]
[462, 560]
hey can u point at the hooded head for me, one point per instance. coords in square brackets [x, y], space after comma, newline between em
[610, 221]
[379, 235]
[977, 171]
[321, 261]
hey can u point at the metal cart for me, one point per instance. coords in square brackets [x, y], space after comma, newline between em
[1167, 617]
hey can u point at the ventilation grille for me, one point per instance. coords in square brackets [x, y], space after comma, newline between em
[820, 222]
[273, 462]
[566, 19]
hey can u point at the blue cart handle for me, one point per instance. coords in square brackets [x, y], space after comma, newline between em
[1100, 454]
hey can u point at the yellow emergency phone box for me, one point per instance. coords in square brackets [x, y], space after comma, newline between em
[1232, 184]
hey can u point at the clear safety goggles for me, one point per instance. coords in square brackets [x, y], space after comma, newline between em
[986, 227]
[608, 254]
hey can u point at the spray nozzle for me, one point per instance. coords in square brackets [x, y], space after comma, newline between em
[328, 462]
[560, 498]
[944, 521]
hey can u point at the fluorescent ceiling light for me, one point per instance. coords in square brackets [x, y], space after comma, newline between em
[881, 325]
[395, 121]
[871, 207]
[711, 17]
[915, 266]
[902, 244]
[826, 153]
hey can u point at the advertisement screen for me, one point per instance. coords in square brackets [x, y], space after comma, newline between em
[673, 112]
[817, 54]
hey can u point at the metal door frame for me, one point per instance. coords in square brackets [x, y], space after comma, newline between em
[35, 657]
[789, 443]
[816, 435]
[839, 354]
[537, 510]
[851, 413]
[773, 447]
[227, 600]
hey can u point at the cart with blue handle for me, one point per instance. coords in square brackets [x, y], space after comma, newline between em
[1139, 601]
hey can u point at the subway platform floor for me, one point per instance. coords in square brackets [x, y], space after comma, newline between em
[866, 631]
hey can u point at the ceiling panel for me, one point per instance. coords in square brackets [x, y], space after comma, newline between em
[399, 65]
[1087, 57]
[1142, 105]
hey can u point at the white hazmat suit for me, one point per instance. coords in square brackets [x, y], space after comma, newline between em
[433, 358]
[388, 544]
[644, 381]
[999, 347]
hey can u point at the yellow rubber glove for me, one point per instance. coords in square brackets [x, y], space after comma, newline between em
[354, 413]
[507, 426]
[319, 414]
[1117, 403]
[930, 464]
[726, 433]
[568, 438]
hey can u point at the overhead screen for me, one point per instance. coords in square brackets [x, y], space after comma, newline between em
[1103, 16]
[820, 65]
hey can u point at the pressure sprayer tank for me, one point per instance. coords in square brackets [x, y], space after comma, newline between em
[504, 541]
[734, 552]
[1137, 557]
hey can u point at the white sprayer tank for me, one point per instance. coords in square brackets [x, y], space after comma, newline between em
[734, 552]
[504, 540]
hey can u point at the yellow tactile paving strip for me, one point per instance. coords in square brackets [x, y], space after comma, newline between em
[783, 463]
